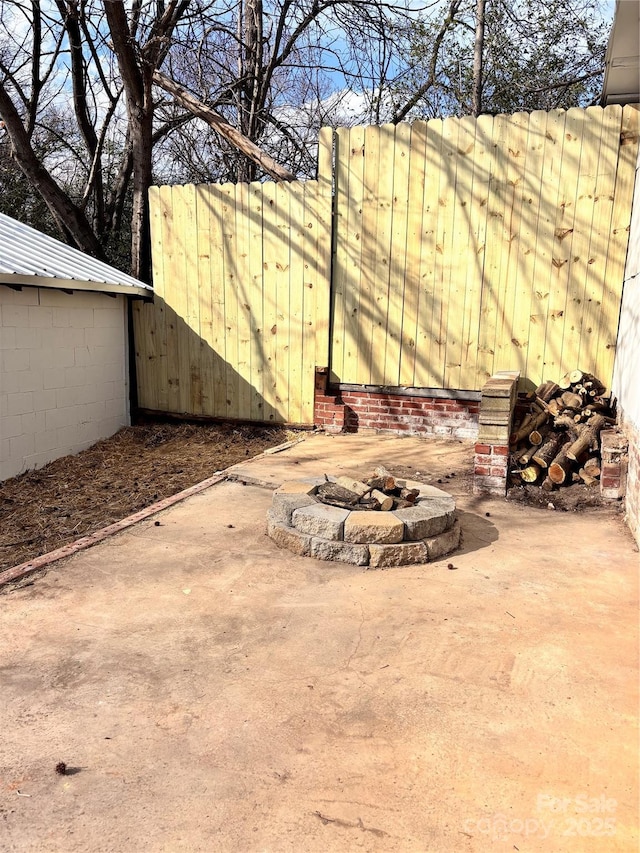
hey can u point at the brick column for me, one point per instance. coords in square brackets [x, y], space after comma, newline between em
[328, 409]
[491, 458]
[614, 450]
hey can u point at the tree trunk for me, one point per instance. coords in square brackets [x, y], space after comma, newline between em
[478, 48]
[223, 128]
[71, 221]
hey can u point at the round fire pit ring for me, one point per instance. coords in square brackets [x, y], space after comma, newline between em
[421, 533]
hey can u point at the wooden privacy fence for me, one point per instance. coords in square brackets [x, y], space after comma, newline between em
[241, 306]
[460, 247]
[467, 246]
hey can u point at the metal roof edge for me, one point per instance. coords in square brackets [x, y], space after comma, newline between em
[16, 280]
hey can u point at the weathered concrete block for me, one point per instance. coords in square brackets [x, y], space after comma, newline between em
[341, 552]
[297, 487]
[489, 485]
[287, 537]
[284, 505]
[376, 527]
[445, 543]
[429, 517]
[404, 554]
[320, 520]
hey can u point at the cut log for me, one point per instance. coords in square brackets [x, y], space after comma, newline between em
[571, 400]
[530, 423]
[592, 384]
[561, 466]
[335, 495]
[410, 495]
[537, 436]
[385, 501]
[586, 478]
[567, 423]
[547, 390]
[549, 450]
[401, 503]
[517, 455]
[353, 485]
[575, 377]
[387, 477]
[530, 474]
[547, 484]
[555, 407]
[565, 382]
[588, 437]
[525, 459]
[592, 467]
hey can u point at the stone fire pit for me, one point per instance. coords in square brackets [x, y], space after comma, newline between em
[421, 533]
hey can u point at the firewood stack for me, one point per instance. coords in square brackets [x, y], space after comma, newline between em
[557, 441]
[379, 492]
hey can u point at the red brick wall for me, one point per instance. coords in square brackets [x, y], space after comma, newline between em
[357, 411]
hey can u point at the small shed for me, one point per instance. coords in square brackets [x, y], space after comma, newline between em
[64, 348]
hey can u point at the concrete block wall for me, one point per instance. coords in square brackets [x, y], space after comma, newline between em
[63, 374]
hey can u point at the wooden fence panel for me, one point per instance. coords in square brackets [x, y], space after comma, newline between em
[512, 260]
[241, 277]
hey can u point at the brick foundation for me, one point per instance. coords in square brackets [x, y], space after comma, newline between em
[398, 411]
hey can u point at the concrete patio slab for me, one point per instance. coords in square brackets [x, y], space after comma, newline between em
[209, 691]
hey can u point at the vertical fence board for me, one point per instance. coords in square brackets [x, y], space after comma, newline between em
[269, 285]
[429, 296]
[600, 230]
[472, 278]
[580, 236]
[415, 204]
[543, 244]
[398, 255]
[531, 189]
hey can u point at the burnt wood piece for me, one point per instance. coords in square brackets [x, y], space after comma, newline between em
[335, 495]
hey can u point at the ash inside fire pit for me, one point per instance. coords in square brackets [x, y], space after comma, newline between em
[378, 521]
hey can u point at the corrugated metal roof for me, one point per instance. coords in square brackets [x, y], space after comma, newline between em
[28, 257]
[622, 67]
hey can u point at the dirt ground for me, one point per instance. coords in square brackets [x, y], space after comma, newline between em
[209, 691]
[45, 509]
[74, 496]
